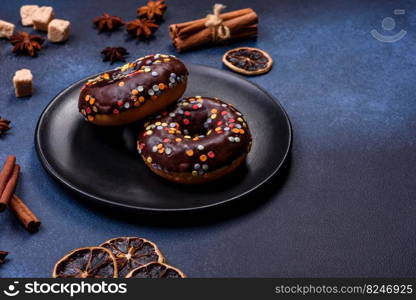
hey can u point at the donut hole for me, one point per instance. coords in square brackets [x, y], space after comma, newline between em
[196, 123]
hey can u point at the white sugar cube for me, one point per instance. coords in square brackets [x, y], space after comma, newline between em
[42, 17]
[6, 29]
[58, 30]
[22, 82]
[26, 14]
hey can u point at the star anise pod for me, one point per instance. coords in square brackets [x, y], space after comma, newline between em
[114, 54]
[108, 22]
[4, 125]
[25, 43]
[142, 28]
[153, 9]
[3, 255]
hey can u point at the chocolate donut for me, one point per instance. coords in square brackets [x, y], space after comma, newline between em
[133, 91]
[198, 140]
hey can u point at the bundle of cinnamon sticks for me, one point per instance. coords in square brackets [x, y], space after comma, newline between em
[9, 177]
[241, 23]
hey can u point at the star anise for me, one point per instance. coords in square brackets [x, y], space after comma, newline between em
[3, 255]
[4, 126]
[114, 54]
[142, 28]
[108, 22]
[25, 43]
[153, 9]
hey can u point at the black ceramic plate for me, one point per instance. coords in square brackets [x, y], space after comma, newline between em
[102, 164]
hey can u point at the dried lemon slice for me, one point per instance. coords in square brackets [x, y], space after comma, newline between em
[133, 252]
[156, 270]
[88, 262]
[248, 61]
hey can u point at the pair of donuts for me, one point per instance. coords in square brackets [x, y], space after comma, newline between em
[191, 141]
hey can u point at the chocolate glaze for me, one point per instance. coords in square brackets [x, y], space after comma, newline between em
[131, 85]
[197, 135]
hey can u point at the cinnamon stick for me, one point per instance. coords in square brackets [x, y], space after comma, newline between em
[9, 176]
[6, 172]
[10, 188]
[24, 214]
[242, 23]
[5, 175]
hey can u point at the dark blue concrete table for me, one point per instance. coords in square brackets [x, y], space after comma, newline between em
[346, 203]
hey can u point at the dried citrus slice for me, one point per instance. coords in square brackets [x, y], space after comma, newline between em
[88, 262]
[248, 61]
[133, 252]
[156, 270]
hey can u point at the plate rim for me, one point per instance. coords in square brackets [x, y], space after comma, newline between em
[51, 171]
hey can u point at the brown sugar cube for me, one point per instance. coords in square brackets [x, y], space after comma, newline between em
[22, 82]
[41, 18]
[26, 14]
[58, 30]
[6, 29]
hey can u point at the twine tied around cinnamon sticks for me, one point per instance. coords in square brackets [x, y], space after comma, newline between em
[220, 32]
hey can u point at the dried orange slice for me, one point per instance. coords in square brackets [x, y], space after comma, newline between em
[156, 270]
[88, 262]
[133, 252]
[248, 61]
